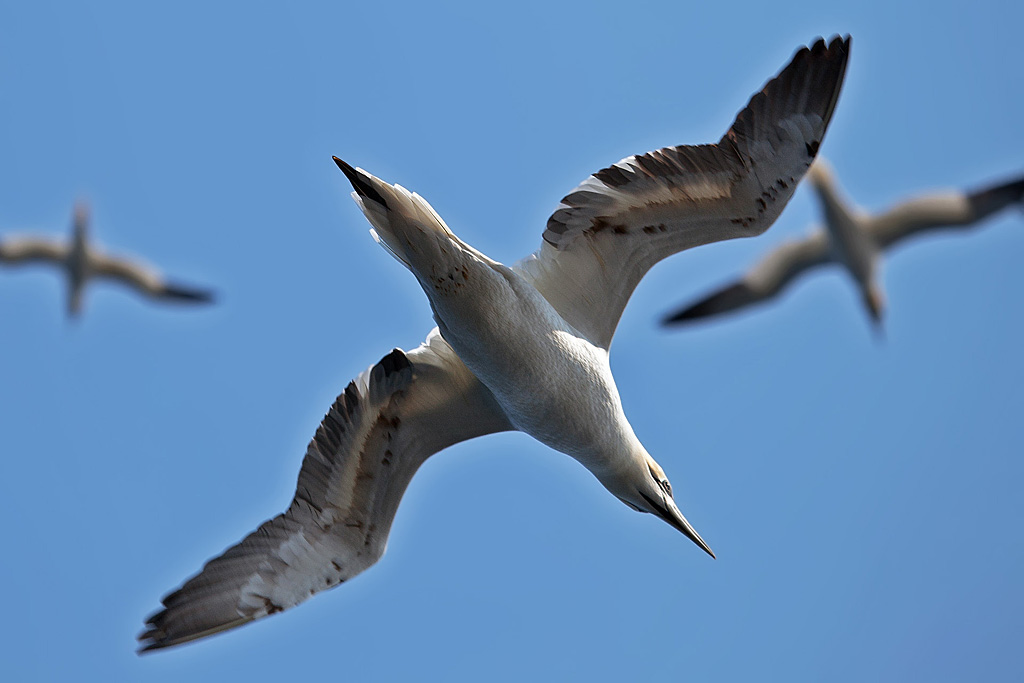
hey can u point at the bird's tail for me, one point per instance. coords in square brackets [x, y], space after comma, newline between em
[403, 222]
[74, 298]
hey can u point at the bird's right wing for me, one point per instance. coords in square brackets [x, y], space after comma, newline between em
[763, 281]
[949, 210]
[144, 279]
[17, 250]
[357, 467]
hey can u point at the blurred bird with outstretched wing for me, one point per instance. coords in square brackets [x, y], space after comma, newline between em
[82, 261]
[855, 240]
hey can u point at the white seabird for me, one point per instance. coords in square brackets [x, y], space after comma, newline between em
[522, 348]
[82, 261]
[854, 239]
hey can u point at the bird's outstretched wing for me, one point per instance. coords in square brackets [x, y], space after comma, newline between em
[607, 233]
[357, 467]
[948, 210]
[766, 279]
[145, 279]
[19, 250]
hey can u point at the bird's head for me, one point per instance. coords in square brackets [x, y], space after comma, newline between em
[80, 221]
[647, 489]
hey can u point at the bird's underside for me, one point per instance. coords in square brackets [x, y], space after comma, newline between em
[598, 244]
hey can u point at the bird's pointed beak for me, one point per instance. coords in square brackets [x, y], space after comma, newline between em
[669, 512]
[81, 216]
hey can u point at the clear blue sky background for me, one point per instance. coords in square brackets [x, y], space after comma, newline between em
[863, 496]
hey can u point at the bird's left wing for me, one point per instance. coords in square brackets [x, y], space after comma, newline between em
[949, 210]
[357, 467]
[766, 279]
[18, 250]
[144, 279]
[617, 224]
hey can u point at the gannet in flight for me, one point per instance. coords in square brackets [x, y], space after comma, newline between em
[853, 239]
[82, 261]
[522, 347]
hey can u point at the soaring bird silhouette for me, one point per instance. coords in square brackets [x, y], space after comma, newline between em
[854, 239]
[81, 261]
[521, 348]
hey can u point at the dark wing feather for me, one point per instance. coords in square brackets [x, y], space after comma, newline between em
[608, 232]
[356, 469]
[769, 277]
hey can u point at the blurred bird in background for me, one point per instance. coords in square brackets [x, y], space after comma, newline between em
[854, 239]
[81, 261]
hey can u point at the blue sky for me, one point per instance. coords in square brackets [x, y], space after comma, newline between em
[862, 495]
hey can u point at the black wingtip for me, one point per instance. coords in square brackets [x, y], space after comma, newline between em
[996, 197]
[146, 648]
[155, 641]
[345, 168]
[834, 42]
[810, 83]
[359, 182]
[188, 294]
[686, 315]
[151, 638]
[723, 301]
[837, 39]
[679, 317]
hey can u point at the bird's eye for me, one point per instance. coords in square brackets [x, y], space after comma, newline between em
[667, 487]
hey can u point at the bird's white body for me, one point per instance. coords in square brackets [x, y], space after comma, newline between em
[850, 243]
[533, 361]
[550, 381]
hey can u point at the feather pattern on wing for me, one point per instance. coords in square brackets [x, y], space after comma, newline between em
[607, 233]
[357, 467]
